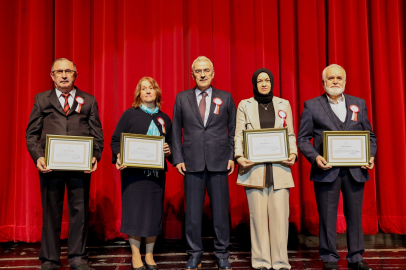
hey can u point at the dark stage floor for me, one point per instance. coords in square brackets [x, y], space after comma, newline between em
[383, 251]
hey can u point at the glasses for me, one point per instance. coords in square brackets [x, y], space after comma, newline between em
[61, 71]
[198, 71]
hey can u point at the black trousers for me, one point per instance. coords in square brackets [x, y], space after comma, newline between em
[52, 196]
[327, 197]
[216, 184]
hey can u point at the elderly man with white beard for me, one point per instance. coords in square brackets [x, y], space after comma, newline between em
[336, 111]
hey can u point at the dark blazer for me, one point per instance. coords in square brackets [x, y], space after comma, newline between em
[210, 146]
[317, 117]
[137, 121]
[47, 117]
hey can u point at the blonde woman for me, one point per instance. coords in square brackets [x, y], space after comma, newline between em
[142, 190]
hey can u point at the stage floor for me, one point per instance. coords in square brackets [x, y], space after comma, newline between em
[383, 251]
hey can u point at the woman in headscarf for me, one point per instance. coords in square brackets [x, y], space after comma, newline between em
[266, 185]
[142, 191]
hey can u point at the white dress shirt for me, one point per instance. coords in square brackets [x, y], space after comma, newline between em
[339, 108]
[71, 98]
[208, 102]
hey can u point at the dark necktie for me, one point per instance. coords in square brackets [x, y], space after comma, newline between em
[66, 107]
[202, 106]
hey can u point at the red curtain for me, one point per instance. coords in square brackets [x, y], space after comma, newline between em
[115, 43]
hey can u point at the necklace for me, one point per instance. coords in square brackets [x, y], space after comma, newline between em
[266, 108]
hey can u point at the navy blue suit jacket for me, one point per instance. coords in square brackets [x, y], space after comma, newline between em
[317, 117]
[210, 146]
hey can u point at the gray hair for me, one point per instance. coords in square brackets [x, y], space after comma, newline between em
[202, 58]
[61, 59]
[332, 65]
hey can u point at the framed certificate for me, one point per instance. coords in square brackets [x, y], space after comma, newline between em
[68, 153]
[346, 148]
[142, 151]
[266, 145]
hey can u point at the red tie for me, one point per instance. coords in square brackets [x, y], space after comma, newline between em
[66, 107]
[202, 106]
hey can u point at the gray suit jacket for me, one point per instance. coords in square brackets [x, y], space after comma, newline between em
[47, 117]
[210, 146]
[317, 117]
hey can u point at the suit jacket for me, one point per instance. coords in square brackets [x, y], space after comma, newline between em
[210, 146]
[248, 118]
[317, 117]
[47, 117]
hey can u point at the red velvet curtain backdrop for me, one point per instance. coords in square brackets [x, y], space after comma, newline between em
[115, 43]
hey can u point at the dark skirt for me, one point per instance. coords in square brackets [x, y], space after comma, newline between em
[142, 202]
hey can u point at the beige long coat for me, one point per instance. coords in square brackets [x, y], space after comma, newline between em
[248, 118]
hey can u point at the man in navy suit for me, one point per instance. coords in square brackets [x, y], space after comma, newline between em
[205, 158]
[332, 112]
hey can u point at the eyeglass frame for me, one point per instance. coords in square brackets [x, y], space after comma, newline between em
[71, 73]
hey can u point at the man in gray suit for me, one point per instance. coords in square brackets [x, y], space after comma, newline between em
[205, 158]
[57, 112]
[332, 112]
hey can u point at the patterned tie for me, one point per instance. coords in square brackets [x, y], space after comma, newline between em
[202, 105]
[66, 107]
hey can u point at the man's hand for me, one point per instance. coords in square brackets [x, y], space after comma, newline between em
[230, 166]
[94, 165]
[321, 162]
[118, 163]
[181, 168]
[167, 150]
[245, 162]
[41, 166]
[290, 161]
[371, 164]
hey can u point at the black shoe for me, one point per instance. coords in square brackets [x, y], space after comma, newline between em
[193, 263]
[139, 268]
[360, 265]
[330, 266]
[151, 266]
[223, 263]
[82, 267]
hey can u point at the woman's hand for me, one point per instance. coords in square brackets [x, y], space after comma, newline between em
[167, 150]
[245, 162]
[118, 164]
[290, 161]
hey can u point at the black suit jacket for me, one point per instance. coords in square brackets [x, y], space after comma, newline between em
[47, 117]
[317, 117]
[210, 146]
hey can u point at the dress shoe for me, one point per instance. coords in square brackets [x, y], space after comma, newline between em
[193, 263]
[330, 266]
[360, 265]
[223, 263]
[261, 268]
[82, 267]
[138, 268]
[151, 266]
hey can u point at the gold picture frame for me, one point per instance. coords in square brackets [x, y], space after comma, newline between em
[276, 140]
[147, 151]
[68, 153]
[347, 148]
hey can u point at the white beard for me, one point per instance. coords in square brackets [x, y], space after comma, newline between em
[334, 91]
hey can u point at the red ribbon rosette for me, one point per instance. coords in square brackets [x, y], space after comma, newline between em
[218, 103]
[80, 102]
[162, 122]
[282, 114]
[355, 111]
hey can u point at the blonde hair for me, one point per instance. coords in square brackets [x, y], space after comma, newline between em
[137, 98]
